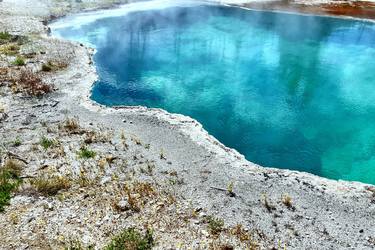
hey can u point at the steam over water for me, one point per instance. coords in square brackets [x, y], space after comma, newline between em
[287, 91]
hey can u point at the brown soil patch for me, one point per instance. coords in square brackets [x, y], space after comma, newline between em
[358, 9]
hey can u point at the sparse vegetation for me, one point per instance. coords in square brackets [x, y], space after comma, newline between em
[17, 142]
[19, 61]
[70, 125]
[136, 140]
[287, 200]
[11, 49]
[137, 193]
[46, 143]
[30, 83]
[9, 181]
[162, 155]
[77, 245]
[144, 188]
[131, 239]
[53, 66]
[132, 201]
[267, 204]
[90, 137]
[123, 140]
[215, 225]
[84, 181]
[13, 167]
[230, 189]
[244, 236]
[50, 186]
[5, 36]
[240, 233]
[86, 153]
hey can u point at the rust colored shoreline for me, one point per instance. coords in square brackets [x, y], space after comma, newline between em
[357, 9]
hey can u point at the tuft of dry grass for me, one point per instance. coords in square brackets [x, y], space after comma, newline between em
[215, 225]
[29, 82]
[53, 66]
[267, 204]
[244, 236]
[14, 167]
[137, 194]
[90, 137]
[131, 239]
[71, 124]
[11, 49]
[133, 202]
[162, 155]
[9, 181]
[240, 233]
[287, 200]
[144, 189]
[136, 140]
[50, 186]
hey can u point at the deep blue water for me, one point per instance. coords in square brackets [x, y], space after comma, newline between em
[287, 91]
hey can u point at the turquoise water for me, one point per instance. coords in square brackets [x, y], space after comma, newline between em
[287, 91]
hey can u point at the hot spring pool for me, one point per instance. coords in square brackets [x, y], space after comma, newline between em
[287, 91]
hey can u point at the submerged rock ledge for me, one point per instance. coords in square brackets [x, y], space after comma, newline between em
[90, 171]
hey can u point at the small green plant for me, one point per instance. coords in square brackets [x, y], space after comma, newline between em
[215, 225]
[131, 239]
[50, 186]
[19, 61]
[17, 142]
[4, 35]
[77, 245]
[86, 153]
[9, 181]
[46, 143]
[230, 189]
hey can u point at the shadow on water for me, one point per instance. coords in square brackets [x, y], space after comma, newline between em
[287, 91]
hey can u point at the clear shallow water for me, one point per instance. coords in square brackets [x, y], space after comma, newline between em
[287, 91]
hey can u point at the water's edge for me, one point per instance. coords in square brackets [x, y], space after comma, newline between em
[176, 119]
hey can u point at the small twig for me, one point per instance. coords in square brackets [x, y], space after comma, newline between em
[43, 167]
[27, 177]
[55, 104]
[17, 157]
[230, 193]
[220, 189]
